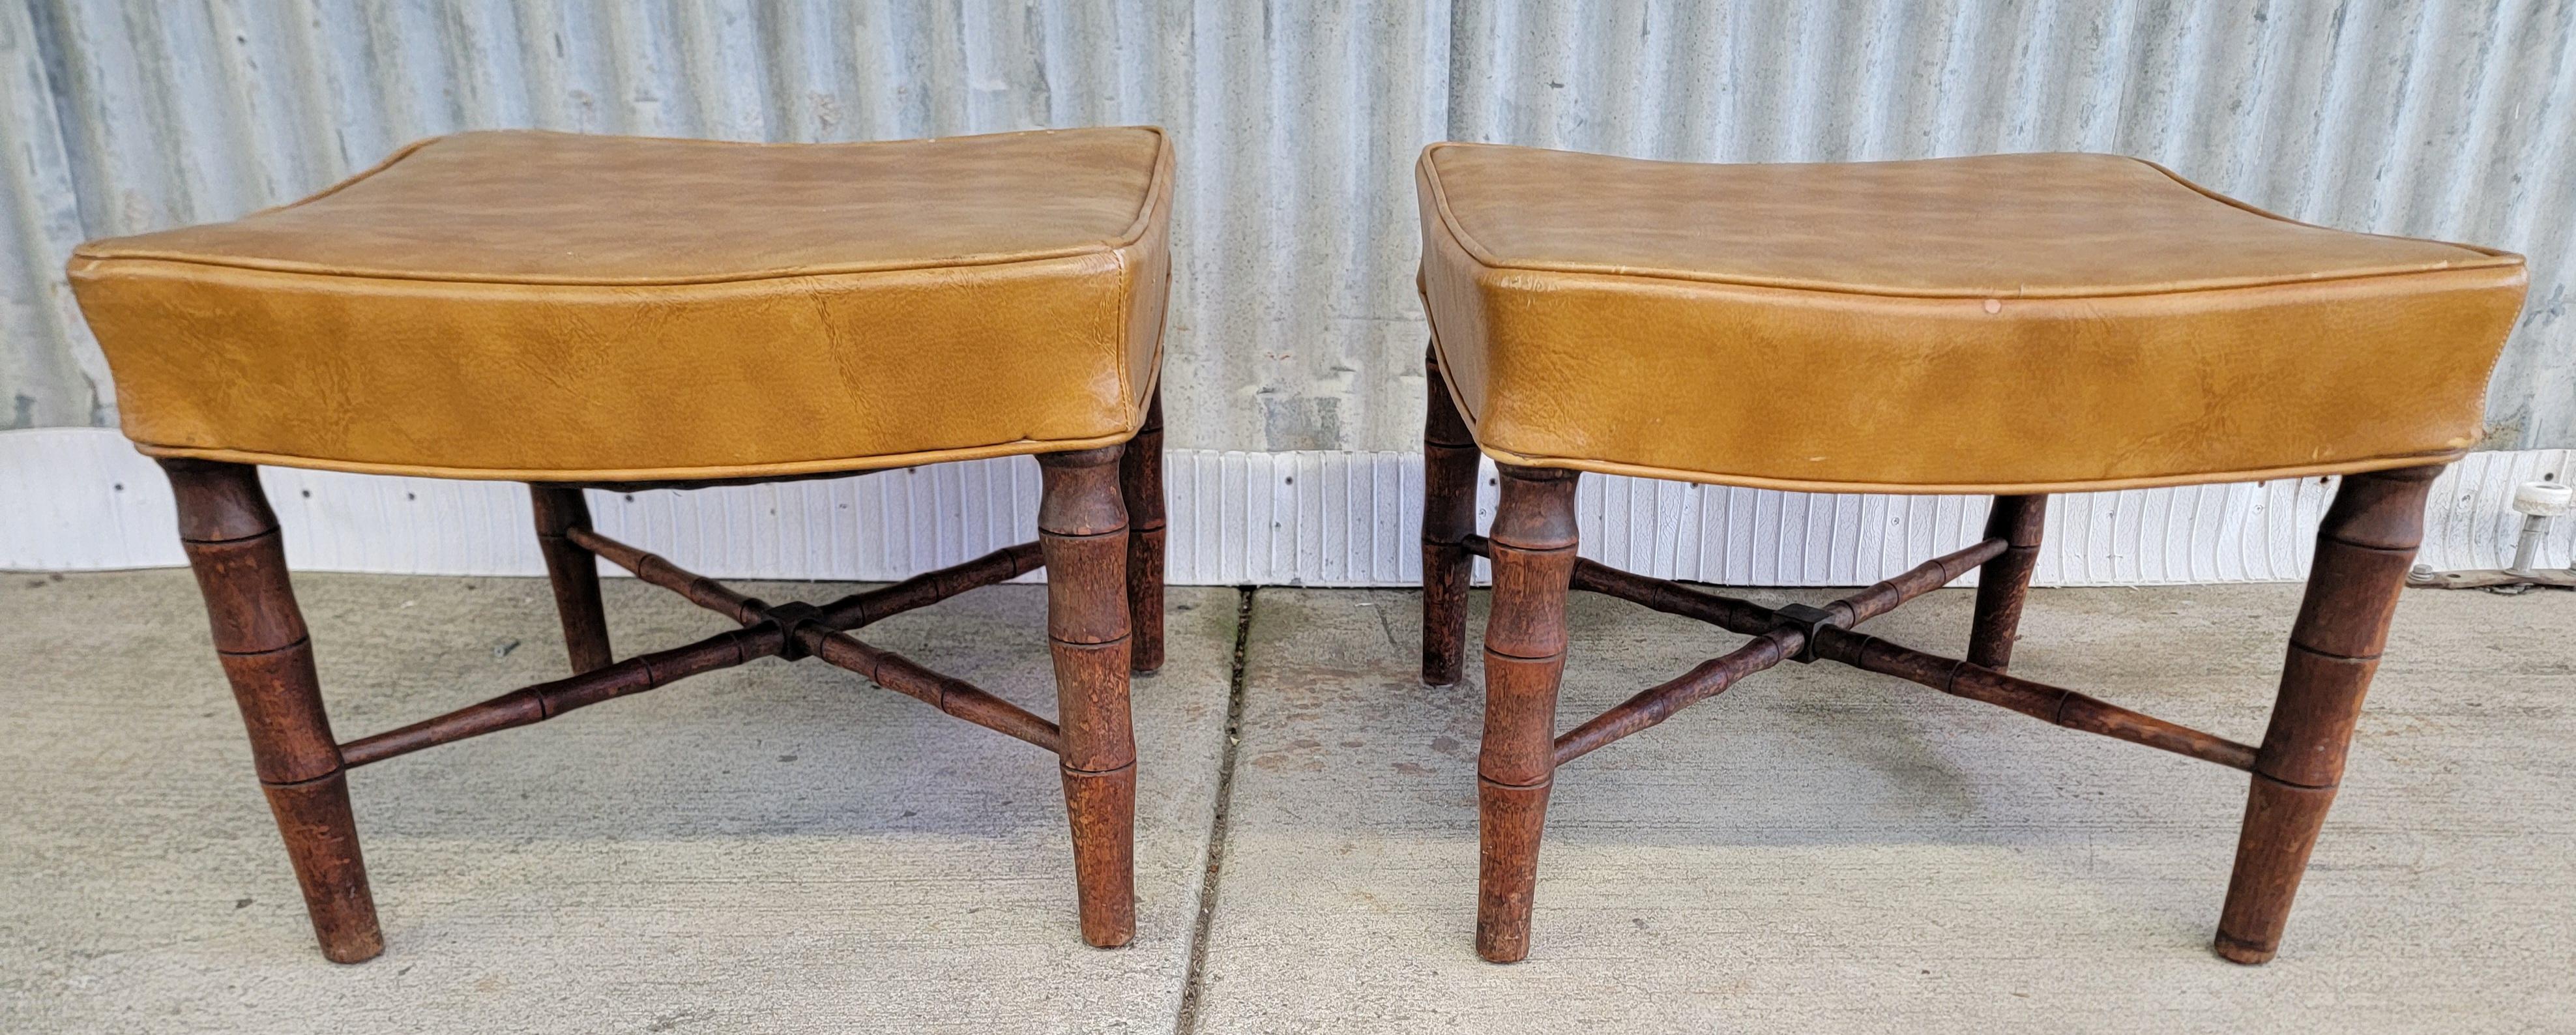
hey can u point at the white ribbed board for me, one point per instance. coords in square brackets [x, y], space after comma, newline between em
[80, 498]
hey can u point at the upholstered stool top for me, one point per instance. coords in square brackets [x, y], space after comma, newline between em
[551, 306]
[2010, 323]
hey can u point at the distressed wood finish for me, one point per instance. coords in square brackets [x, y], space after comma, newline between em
[2040, 701]
[1140, 483]
[1095, 613]
[534, 704]
[1532, 542]
[939, 690]
[1448, 520]
[2364, 548]
[1082, 526]
[232, 542]
[861, 609]
[2005, 581]
[574, 572]
[657, 570]
[1659, 702]
[2363, 552]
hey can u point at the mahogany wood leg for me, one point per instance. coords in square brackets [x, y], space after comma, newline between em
[575, 574]
[1140, 481]
[1082, 527]
[2364, 548]
[1533, 542]
[2004, 582]
[232, 542]
[1448, 518]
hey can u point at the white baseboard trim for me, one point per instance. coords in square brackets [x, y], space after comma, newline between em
[82, 499]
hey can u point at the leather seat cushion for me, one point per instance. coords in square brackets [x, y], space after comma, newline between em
[553, 306]
[2006, 323]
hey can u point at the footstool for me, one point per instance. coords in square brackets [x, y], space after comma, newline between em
[2012, 325]
[603, 312]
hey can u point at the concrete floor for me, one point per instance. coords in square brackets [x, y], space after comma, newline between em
[781, 848]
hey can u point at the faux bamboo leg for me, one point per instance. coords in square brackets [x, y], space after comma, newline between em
[1448, 518]
[1082, 526]
[1140, 481]
[2004, 582]
[575, 574]
[1533, 543]
[231, 539]
[2364, 548]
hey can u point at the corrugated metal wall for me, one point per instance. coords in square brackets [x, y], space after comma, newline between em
[1295, 326]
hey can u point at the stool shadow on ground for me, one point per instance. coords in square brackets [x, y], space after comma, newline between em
[795, 749]
[1851, 851]
[774, 846]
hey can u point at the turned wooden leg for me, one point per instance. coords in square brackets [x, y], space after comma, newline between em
[2004, 582]
[1082, 527]
[232, 541]
[1533, 552]
[1140, 481]
[1448, 518]
[2366, 544]
[575, 574]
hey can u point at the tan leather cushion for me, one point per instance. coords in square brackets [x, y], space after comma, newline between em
[553, 306]
[2009, 323]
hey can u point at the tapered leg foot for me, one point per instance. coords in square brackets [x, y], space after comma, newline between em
[232, 542]
[1082, 527]
[1102, 808]
[1509, 822]
[322, 843]
[1533, 552]
[2281, 825]
[2364, 548]
[1448, 517]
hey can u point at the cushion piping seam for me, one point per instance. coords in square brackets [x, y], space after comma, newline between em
[1155, 186]
[1485, 257]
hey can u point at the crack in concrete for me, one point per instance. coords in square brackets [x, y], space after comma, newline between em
[1188, 1021]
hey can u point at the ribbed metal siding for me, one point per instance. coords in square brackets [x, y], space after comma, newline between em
[1294, 325]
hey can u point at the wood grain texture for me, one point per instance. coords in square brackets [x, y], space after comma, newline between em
[1657, 703]
[945, 692]
[2040, 701]
[870, 606]
[232, 542]
[574, 574]
[533, 704]
[1533, 543]
[1449, 466]
[1140, 485]
[230, 535]
[1082, 526]
[2004, 583]
[321, 836]
[2364, 545]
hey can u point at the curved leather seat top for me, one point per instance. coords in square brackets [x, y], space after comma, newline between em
[2006, 323]
[552, 306]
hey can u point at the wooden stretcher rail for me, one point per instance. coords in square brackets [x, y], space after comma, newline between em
[542, 701]
[1778, 638]
[1751, 619]
[1658, 703]
[765, 633]
[860, 609]
[947, 693]
[2057, 705]
[1885, 596]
